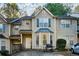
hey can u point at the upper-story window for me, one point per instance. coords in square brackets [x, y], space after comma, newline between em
[43, 22]
[2, 27]
[27, 22]
[16, 27]
[65, 23]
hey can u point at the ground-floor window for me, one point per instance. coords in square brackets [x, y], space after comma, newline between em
[3, 45]
[71, 42]
[44, 40]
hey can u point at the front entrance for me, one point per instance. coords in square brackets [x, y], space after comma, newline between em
[15, 45]
[28, 43]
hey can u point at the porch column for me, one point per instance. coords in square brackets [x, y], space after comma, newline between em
[9, 30]
[21, 38]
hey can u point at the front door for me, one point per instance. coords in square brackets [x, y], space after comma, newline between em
[28, 43]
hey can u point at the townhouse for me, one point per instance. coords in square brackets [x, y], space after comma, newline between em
[37, 30]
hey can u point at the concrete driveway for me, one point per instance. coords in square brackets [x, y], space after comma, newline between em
[41, 53]
[36, 53]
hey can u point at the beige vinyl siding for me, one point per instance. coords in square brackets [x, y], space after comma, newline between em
[69, 34]
[43, 14]
[14, 31]
[7, 44]
[26, 25]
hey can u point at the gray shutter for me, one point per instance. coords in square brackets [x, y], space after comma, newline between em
[37, 22]
[49, 22]
[3, 27]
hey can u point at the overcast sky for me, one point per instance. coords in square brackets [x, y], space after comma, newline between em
[31, 6]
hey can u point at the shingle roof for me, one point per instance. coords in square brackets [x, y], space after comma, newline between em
[44, 30]
[3, 18]
[25, 31]
[10, 19]
[2, 36]
[15, 37]
[22, 18]
[17, 20]
[67, 17]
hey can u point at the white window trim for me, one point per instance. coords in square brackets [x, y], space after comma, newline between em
[43, 21]
[65, 23]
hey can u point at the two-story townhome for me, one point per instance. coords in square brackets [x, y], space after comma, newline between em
[4, 34]
[39, 29]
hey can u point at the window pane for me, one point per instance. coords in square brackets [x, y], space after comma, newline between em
[16, 27]
[44, 40]
[43, 22]
[65, 23]
[3, 48]
[1, 27]
[62, 25]
[3, 43]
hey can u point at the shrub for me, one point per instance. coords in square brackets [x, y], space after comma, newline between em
[4, 52]
[60, 44]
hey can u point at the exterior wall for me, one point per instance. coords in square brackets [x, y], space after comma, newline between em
[7, 43]
[43, 14]
[6, 33]
[23, 26]
[26, 26]
[69, 34]
[14, 31]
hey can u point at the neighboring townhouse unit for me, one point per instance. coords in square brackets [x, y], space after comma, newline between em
[37, 30]
[4, 34]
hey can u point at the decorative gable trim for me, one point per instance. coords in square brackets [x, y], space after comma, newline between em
[1, 16]
[46, 11]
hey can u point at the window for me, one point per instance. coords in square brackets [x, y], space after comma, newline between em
[43, 22]
[44, 40]
[71, 42]
[37, 40]
[27, 22]
[3, 47]
[2, 27]
[16, 27]
[65, 23]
